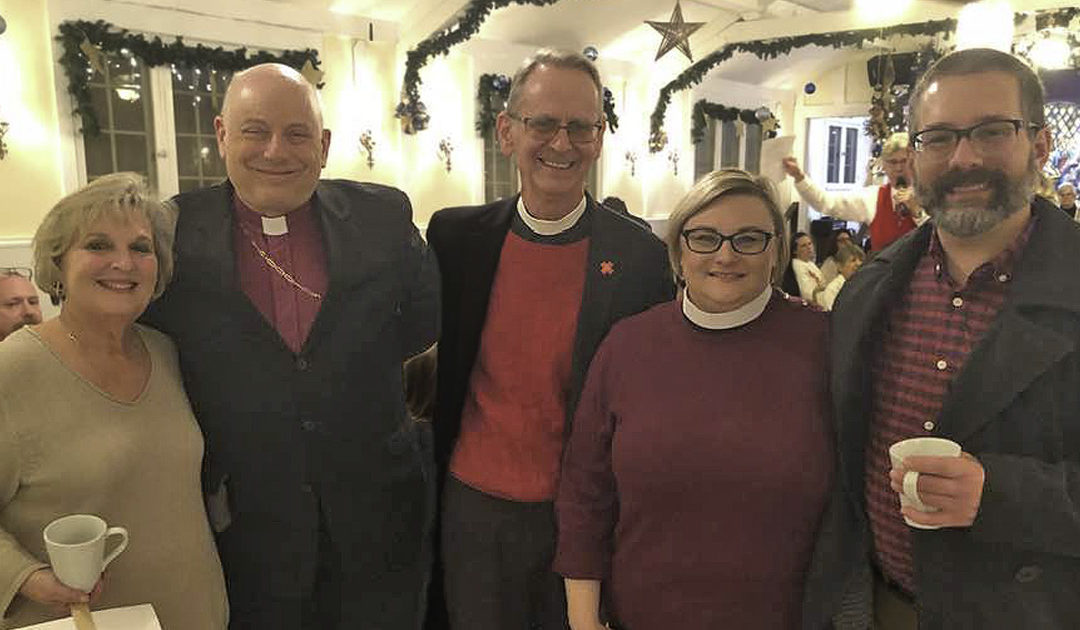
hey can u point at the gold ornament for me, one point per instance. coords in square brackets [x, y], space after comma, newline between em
[313, 76]
[93, 55]
[676, 33]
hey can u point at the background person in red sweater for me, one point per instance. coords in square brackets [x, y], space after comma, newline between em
[531, 284]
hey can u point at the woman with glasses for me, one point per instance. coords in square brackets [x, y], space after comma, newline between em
[94, 419]
[699, 458]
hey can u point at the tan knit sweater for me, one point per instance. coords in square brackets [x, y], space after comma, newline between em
[67, 447]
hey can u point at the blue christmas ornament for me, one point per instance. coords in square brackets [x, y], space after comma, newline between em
[501, 82]
[591, 53]
[810, 88]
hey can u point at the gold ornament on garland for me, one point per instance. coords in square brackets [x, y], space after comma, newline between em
[94, 56]
[676, 32]
[313, 75]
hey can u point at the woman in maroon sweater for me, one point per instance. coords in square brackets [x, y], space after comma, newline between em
[700, 456]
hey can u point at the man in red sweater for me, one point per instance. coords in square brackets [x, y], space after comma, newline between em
[531, 284]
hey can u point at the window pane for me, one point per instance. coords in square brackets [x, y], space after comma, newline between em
[187, 184]
[206, 114]
[129, 111]
[132, 153]
[729, 146]
[98, 156]
[753, 148]
[832, 175]
[851, 151]
[705, 151]
[212, 166]
[184, 113]
[187, 156]
[99, 99]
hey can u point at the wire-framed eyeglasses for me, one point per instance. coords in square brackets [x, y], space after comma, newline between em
[544, 128]
[705, 240]
[22, 272]
[987, 137]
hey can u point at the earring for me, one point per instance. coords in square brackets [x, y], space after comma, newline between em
[57, 291]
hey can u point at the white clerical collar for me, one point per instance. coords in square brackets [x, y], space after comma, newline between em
[543, 227]
[732, 319]
[275, 226]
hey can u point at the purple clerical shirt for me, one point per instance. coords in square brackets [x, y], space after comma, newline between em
[299, 252]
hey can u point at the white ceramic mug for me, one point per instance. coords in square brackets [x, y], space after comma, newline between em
[76, 547]
[922, 446]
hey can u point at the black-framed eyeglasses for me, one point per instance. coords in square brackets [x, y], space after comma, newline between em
[986, 137]
[22, 272]
[705, 240]
[544, 128]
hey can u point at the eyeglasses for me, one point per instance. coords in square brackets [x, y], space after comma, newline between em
[986, 138]
[22, 272]
[544, 128]
[705, 240]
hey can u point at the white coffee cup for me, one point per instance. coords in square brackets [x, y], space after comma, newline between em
[922, 446]
[76, 547]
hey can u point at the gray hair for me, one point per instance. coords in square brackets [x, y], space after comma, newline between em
[977, 61]
[551, 57]
[119, 195]
[721, 183]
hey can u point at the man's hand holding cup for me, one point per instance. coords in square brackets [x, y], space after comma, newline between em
[939, 485]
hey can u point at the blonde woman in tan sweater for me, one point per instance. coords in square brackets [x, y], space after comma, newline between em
[94, 419]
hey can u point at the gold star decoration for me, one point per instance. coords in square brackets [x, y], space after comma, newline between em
[313, 76]
[93, 55]
[676, 33]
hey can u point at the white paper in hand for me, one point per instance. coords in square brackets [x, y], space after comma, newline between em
[773, 151]
[140, 617]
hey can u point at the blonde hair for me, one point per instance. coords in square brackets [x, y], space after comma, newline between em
[727, 183]
[898, 141]
[119, 195]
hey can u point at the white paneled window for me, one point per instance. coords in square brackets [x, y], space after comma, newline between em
[124, 106]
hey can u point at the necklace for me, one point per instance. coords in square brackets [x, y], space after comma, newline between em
[270, 262]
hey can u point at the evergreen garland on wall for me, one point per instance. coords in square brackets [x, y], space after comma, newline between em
[771, 48]
[152, 52]
[704, 109]
[411, 110]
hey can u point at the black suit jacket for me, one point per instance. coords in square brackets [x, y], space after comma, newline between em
[467, 242]
[291, 437]
[1015, 406]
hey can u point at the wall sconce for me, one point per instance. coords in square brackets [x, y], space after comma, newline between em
[631, 158]
[367, 143]
[3, 145]
[446, 149]
[673, 157]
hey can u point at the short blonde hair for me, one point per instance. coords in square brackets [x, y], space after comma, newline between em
[899, 141]
[727, 183]
[119, 195]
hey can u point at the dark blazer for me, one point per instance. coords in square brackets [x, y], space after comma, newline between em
[468, 241]
[288, 434]
[1015, 406]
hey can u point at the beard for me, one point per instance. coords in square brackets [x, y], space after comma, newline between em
[1008, 195]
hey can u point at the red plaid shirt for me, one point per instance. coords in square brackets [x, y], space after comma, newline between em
[930, 333]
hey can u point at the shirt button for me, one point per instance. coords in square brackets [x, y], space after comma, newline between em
[928, 425]
[302, 364]
[1003, 277]
[307, 425]
[306, 488]
[958, 301]
[942, 364]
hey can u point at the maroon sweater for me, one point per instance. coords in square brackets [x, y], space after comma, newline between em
[514, 417]
[698, 468]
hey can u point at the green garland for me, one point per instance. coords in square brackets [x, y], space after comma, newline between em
[704, 109]
[494, 90]
[152, 52]
[411, 110]
[772, 48]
